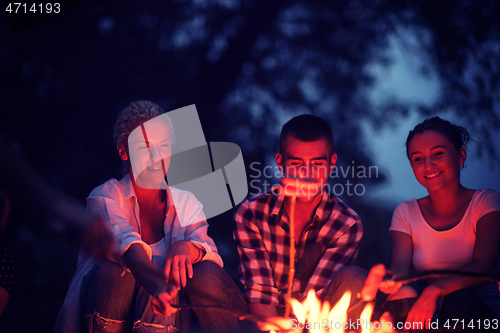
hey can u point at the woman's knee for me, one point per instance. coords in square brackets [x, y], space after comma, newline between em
[457, 302]
[109, 291]
[210, 281]
[464, 304]
[112, 272]
[109, 279]
[96, 323]
[205, 275]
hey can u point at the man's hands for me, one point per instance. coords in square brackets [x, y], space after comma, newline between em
[162, 299]
[179, 262]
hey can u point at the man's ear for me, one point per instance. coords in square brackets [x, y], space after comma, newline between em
[122, 152]
[333, 161]
[279, 161]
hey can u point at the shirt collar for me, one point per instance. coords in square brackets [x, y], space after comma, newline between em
[129, 192]
[128, 188]
[320, 211]
[278, 201]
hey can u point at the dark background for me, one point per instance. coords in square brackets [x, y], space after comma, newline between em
[249, 66]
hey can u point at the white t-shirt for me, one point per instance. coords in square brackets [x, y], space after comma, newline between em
[449, 249]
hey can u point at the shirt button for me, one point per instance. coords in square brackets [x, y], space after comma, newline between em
[296, 259]
[115, 226]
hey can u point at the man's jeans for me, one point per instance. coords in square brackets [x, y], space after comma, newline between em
[349, 278]
[117, 303]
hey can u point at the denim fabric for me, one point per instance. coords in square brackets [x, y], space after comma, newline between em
[211, 285]
[464, 304]
[350, 278]
[116, 303]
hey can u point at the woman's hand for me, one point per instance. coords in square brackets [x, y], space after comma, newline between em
[179, 262]
[423, 309]
[390, 286]
[162, 299]
[152, 279]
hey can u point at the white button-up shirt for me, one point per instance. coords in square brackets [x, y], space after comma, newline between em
[116, 203]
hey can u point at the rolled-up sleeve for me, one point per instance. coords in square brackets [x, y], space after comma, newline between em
[193, 222]
[255, 268]
[108, 202]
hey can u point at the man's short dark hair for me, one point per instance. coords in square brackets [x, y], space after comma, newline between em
[307, 128]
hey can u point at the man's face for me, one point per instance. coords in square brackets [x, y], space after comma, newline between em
[150, 151]
[306, 160]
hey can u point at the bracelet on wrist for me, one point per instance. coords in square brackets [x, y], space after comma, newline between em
[199, 257]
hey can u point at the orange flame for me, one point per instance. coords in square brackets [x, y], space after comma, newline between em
[319, 318]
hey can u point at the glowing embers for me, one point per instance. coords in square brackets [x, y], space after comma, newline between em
[319, 318]
[315, 317]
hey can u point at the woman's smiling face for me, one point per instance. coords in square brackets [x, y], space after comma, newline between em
[435, 160]
[150, 150]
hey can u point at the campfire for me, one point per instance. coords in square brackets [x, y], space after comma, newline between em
[317, 317]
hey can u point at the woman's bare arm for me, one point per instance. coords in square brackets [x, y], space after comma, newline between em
[151, 278]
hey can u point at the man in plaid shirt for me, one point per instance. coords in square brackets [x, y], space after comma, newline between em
[327, 231]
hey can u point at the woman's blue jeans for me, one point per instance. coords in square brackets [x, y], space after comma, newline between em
[117, 303]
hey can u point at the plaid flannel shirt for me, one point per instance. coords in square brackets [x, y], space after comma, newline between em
[263, 244]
